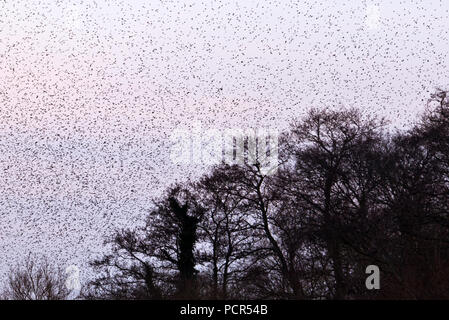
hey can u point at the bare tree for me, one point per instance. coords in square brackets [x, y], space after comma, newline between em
[36, 279]
[345, 195]
[156, 261]
[331, 180]
[226, 234]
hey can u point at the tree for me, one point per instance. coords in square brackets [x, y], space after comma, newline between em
[155, 261]
[226, 235]
[35, 279]
[416, 194]
[331, 177]
[345, 195]
[253, 188]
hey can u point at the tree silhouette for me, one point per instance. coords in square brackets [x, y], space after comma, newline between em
[35, 279]
[346, 193]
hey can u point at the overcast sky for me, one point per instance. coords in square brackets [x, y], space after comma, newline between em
[91, 90]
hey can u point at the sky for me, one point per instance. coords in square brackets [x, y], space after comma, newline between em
[91, 91]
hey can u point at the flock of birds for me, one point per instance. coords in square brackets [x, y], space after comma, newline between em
[91, 90]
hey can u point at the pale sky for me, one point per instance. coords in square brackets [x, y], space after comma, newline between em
[90, 91]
